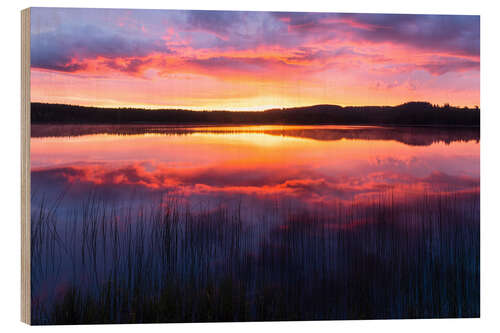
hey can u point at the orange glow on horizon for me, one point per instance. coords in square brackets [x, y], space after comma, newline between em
[206, 65]
[207, 93]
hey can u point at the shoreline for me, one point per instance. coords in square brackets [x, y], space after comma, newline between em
[222, 124]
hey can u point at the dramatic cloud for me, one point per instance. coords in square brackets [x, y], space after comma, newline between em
[68, 50]
[450, 33]
[333, 58]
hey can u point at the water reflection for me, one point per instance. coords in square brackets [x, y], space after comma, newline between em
[418, 136]
[253, 223]
[222, 163]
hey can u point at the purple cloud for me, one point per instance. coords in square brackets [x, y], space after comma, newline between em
[55, 50]
[444, 65]
[300, 37]
[451, 33]
[217, 22]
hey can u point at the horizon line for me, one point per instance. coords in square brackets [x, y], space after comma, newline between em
[159, 108]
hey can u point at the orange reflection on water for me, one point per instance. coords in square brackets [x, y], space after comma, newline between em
[308, 163]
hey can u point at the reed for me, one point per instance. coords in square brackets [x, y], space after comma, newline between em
[164, 261]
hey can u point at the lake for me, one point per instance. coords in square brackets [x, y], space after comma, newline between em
[223, 223]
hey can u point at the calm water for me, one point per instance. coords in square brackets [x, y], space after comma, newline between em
[372, 196]
[304, 164]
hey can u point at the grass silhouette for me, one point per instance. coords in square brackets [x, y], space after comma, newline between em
[390, 257]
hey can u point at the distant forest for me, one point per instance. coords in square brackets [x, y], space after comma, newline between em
[412, 113]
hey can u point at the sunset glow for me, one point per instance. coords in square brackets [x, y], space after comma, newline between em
[237, 161]
[205, 60]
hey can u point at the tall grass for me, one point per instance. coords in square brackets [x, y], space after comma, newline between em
[401, 257]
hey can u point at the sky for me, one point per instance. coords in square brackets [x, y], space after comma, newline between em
[207, 60]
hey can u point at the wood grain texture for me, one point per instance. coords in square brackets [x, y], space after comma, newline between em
[25, 168]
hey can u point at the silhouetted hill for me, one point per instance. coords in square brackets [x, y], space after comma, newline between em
[412, 113]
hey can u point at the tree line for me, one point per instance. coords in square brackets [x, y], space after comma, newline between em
[411, 113]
